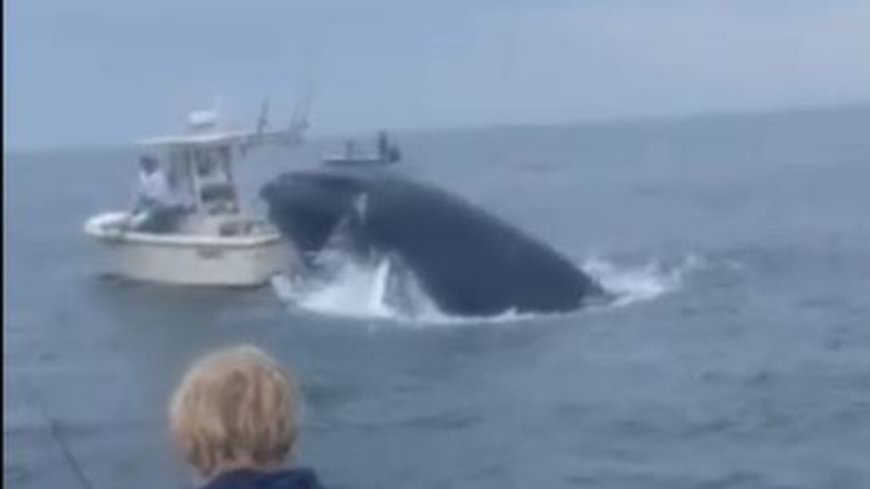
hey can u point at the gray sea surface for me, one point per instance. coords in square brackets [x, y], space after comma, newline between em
[739, 359]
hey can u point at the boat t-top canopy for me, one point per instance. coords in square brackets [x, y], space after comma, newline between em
[222, 138]
[217, 138]
[199, 162]
[204, 132]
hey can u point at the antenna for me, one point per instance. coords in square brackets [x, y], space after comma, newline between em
[299, 119]
[263, 120]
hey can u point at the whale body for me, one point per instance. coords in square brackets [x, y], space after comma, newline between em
[468, 261]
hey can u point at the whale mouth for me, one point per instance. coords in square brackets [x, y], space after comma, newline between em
[350, 285]
[313, 209]
[349, 276]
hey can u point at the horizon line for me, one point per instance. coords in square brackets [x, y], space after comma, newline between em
[486, 126]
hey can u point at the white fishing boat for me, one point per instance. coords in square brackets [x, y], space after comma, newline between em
[385, 153]
[213, 240]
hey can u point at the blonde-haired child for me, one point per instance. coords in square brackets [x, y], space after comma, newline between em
[235, 418]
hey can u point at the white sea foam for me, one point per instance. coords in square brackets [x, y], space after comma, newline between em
[633, 283]
[383, 290]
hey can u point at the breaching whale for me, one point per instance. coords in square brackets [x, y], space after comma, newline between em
[468, 261]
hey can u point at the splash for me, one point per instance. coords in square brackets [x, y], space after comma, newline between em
[379, 289]
[632, 283]
[385, 289]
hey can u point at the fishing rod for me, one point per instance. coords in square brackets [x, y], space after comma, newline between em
[78, 470]
[57, 436]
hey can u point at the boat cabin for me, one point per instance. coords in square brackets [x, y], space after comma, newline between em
[211, 240]
[200, 170]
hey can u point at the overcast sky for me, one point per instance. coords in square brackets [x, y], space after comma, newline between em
[107, 71]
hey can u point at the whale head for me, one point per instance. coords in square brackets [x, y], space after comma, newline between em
[312, 206]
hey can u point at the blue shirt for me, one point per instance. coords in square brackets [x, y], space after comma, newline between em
[299, 478]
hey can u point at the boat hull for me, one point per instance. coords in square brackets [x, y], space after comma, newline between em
[206, 261]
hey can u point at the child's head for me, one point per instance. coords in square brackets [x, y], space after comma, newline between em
[235, 408]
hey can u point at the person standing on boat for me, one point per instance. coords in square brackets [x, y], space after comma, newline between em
[157, 208]
[383, 145]
[350, 148]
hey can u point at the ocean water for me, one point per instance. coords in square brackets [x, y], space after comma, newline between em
[738, 355]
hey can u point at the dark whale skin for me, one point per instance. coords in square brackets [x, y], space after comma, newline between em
[468, 261]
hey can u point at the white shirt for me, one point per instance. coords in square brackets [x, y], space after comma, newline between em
[154, 187]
